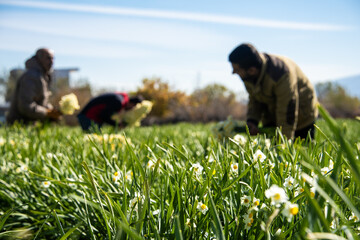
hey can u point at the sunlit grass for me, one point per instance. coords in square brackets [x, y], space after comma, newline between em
[178, 182]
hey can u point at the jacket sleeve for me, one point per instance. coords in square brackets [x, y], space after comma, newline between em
[110, 110]
[255, 110]
[29, 89]
[287, 104]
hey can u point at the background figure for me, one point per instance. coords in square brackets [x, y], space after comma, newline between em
[30, 101]
[280, 95]
[100, 109]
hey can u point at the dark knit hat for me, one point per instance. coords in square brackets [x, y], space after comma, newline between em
[246, 56]
[136, 99]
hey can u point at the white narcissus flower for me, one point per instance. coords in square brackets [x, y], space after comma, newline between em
[259, 156]
[135, 201]
[312, 191]
[68, 104]
[128, 175]
[248, 221]
[150, 164]
[353, 217]
[116, 176]
[2, 141]
[325, 170]
[202, 207]
[22, 168]
[134, 116]
[290, 210]
[248, 216]
[256, 202]
[234, 168]
[197, 168]
[46, 184]
[246, 200]
[156, 212]
[211, 158]
[289, 182]
[276, 194]
[240, 139]
[267, 143]
[188, 223]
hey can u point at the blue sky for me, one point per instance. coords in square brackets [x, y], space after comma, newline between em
[116, 44]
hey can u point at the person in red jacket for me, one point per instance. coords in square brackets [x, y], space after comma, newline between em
[100, 109]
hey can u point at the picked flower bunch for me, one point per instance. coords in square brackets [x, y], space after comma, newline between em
[224, 129]
[134, 116]
[230, 127]
[68, 104]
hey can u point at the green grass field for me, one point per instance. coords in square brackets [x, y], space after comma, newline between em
[179, 182]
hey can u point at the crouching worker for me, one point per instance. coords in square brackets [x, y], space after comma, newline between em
[100, 110]
[280, 94]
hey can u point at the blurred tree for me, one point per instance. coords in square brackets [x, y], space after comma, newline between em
[337, 101]
[214, 103]
[163, 97]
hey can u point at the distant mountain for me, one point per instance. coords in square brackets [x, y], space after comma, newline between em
[350, 84]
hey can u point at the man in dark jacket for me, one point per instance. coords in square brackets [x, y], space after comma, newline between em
[280, 94]
[30, 101]
[101, 109]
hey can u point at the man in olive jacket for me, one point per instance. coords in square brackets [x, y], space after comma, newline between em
[280, 95]
[30, 100]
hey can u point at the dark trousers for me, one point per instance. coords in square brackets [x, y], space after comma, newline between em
[303, 133]
[87, 124]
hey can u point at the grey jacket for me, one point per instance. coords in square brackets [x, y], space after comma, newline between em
[30, 100]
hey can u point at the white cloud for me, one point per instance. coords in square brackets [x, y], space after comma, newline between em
[124, 32]
[175, 15]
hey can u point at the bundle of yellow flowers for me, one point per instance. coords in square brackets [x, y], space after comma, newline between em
[110, 138]
[224, 129]
[68, 104]
[134, 116]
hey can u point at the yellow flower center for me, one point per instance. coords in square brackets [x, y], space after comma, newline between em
[203, 206]
[294, 210]
[250, 215]
[249, 224]
[214, 172]
[196, 169]
[252, 220]
[312, 194]
[235, 167]
[246, 200]
[302, 190]
[116, 174]
[256, 203]
[277, 196]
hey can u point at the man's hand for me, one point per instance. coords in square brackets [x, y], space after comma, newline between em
[53, 114]
[253, 129]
